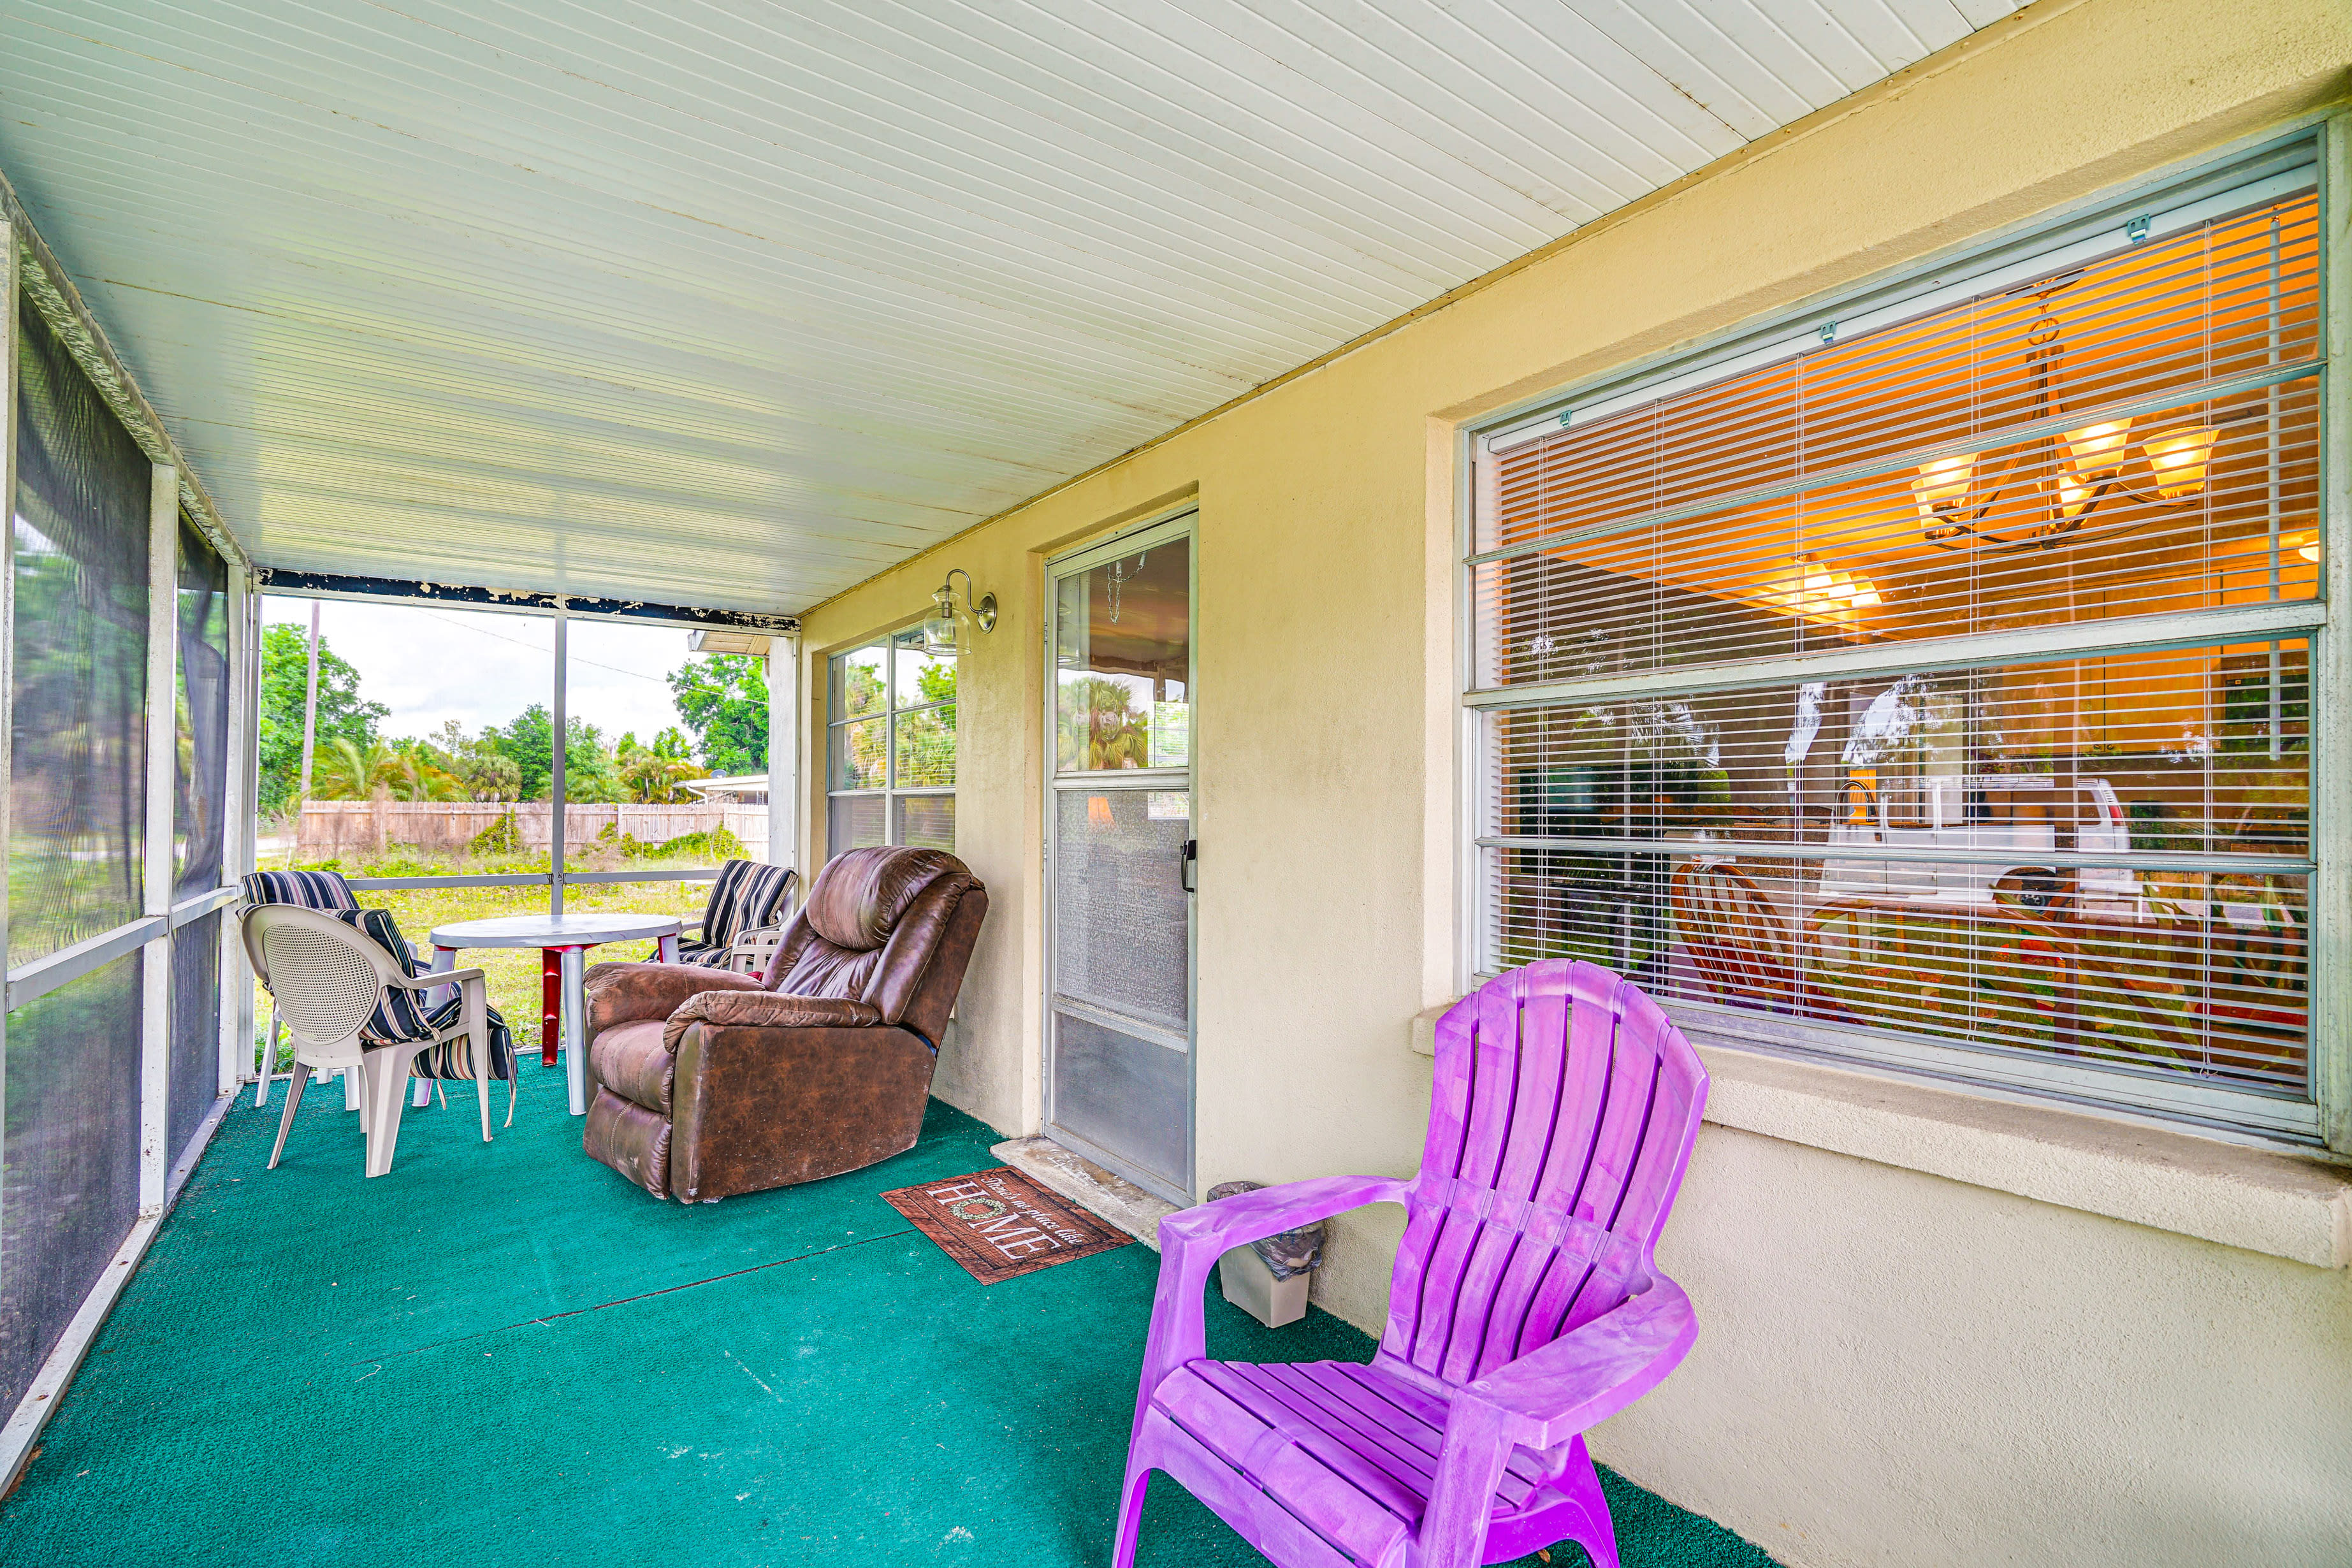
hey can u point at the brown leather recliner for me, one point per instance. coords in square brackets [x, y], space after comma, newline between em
[708, 1083]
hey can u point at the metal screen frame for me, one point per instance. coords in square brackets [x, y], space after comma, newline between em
[29, 274]
[1183, 523]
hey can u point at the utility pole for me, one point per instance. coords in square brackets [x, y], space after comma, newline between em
[309, 719]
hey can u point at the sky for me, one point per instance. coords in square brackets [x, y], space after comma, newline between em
[482, 667]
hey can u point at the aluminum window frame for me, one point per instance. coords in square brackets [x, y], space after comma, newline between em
[2313, 152]
[891, 793]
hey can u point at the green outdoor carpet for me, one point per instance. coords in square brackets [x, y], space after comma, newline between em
[504, 1354]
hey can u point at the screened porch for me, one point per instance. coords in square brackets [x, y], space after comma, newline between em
[1681, 656]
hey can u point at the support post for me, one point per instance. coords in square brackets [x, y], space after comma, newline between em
[162, 750]
[7, 633]
[555, 772]
[310, 722]
[783, 750]
[236, 814]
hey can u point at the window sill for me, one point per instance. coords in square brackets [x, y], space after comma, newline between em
[2286, 1204]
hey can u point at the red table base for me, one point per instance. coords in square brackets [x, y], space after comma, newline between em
[551, 1002]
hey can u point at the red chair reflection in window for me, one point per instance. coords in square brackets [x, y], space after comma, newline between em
[1735, 936]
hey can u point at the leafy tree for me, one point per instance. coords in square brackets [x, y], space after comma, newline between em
[723, 698]
[485, 771]
[530, 743]
[402, 770]
[656, 774]
[342, 714]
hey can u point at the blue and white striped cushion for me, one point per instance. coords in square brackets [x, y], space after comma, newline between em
[748, 897]
[403, 1015]
[455, 1058]
[305, 890]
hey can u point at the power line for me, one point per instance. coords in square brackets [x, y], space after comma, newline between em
[485, 631]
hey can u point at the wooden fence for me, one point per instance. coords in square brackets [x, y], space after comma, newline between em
[349, 829]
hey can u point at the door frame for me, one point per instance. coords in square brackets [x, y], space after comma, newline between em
[1182, 523]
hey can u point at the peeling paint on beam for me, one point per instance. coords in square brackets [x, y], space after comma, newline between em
[333, 586]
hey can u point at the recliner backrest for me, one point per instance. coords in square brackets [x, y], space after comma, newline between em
[888, 926]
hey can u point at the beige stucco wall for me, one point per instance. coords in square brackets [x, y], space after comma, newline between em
[1893, 1367]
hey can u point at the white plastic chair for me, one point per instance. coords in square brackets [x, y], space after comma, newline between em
[327, 979]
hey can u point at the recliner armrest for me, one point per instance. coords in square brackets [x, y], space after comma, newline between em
[763, 1009]
[625, 993]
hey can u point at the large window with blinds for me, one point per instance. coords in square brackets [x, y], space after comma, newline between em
[1935, 687]
[890, 746]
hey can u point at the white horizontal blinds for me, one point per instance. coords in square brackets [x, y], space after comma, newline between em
[2074, 837]
[2105, 857]
[2196, 753]
[2204, 989]
[2136, 436]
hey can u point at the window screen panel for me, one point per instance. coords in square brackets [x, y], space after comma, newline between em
[201, 772]
[78, 800]
[925, 821]
[854, 822]
[69, 1189]
[195, 1080]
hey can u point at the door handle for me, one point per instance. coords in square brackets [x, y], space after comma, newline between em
[1187, 865]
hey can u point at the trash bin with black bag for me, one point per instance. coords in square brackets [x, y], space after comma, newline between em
[1268, 1279]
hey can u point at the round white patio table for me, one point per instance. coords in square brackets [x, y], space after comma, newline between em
[562, 941]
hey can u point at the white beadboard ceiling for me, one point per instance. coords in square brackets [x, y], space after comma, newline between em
[735, 304]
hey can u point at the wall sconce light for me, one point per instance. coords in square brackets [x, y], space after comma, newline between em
[2303, 542]
[940, 630]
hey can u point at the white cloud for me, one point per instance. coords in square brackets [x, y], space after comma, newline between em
[482, 667]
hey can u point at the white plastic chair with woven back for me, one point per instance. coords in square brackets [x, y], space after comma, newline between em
[348, 1002]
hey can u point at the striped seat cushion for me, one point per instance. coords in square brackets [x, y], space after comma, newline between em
[403, 1015]
[748, 897]
[306, 889]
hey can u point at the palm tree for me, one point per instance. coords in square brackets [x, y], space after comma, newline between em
[653, 774]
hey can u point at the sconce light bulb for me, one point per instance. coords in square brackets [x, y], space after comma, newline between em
[2179, 459]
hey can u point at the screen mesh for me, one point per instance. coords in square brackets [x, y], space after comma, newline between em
[195, 1028]
[70, 1187]
[79, 689]
[200, 774]
[1120, 939]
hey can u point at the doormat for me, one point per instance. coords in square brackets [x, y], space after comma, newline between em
[998, 1223]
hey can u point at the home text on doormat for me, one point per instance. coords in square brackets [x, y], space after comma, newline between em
[998, 1224]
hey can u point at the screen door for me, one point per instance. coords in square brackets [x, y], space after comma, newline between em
[1120, 852]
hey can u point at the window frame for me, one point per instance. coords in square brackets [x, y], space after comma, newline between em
[2316, 152]
[891, 792]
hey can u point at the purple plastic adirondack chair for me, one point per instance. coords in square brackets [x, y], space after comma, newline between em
[1524, 1307]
